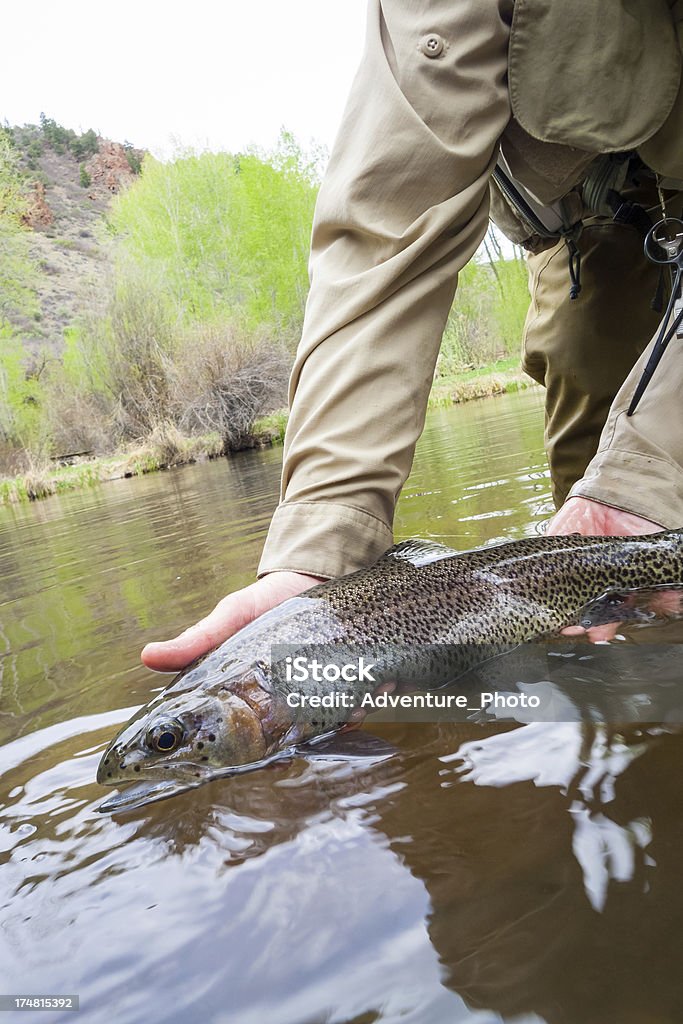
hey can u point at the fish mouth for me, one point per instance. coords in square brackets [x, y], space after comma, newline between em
[156, 783]
[141, 793]
[325, 746]
[149, 791]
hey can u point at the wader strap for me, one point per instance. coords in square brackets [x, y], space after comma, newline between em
[574, 267]
[512, 192]
[533, 214]
[626, 212]
[600, 195]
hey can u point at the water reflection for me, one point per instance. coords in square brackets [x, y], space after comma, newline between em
[559, 899]
[487, 872]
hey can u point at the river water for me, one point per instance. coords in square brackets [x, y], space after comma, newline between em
[485, 873]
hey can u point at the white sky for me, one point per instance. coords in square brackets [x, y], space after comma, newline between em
[205, 74]
[210, 74]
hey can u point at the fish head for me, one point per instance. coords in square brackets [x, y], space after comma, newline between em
[187, 737]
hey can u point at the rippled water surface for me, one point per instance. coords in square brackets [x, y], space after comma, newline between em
[484, 873]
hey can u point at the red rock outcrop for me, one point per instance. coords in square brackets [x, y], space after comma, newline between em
[38, 214]
[109, 168]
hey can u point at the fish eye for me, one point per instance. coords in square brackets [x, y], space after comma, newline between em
[165, 736]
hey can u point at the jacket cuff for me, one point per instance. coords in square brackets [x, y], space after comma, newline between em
[323, 539]
[641, 484]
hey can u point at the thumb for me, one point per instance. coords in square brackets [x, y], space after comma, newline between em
[231, 614]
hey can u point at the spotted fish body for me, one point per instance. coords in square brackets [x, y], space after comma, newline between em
[227, 711]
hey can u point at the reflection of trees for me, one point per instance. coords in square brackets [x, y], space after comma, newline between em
[479, 472]
[511, 920]
[87, 580]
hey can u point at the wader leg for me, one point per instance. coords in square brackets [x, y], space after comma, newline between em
[582, 350]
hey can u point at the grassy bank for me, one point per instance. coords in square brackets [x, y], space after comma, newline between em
[499, 378]
[167, 447]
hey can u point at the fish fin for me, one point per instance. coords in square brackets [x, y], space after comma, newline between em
[350, 745]
[420, 552]
[632, 606]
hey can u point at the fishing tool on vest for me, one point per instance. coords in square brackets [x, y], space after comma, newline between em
[664, 246]
[599, 193]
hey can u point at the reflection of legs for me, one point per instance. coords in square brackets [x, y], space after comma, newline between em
[582, 350]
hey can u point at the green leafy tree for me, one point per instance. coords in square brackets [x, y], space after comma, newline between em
[64, 140]
[133, 157]
[17, 272]
[85, 145]
[20, 394]
[13, 203]
[230, 234]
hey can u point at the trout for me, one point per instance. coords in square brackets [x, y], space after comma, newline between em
[431, 608]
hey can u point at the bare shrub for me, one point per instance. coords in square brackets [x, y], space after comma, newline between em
[143, 341]
[483, 322]
[129, 373]
[470, 338]
[167, 446]
[78, 421]
[164, 446]
[37, 478]
[24, 475]
[13, 459]
[223, 379]
[126, 349]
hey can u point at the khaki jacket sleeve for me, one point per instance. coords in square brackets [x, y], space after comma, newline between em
[402, 208]
[638, 466]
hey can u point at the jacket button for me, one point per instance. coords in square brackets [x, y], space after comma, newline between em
[432, 45]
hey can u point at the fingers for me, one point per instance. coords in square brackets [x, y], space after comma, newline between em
[231, 614]
[667, 603]
[593, 519]
[596, 634]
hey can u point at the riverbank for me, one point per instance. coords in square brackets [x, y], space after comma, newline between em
[499, 378]
[167, 447]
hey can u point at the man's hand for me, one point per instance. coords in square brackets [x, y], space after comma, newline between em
[230, 614]
[581, 515]
[590, 518]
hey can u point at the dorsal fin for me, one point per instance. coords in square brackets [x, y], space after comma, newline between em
[420, 552]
